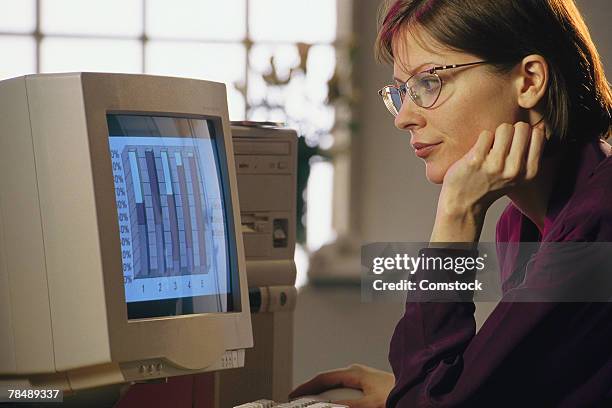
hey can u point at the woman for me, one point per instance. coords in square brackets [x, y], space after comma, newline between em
[523, 111]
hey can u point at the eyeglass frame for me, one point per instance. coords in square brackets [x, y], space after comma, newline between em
[405, 91]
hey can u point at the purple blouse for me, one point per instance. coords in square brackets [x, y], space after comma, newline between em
[525, 354]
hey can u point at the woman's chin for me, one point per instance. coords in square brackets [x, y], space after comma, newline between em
[434, 174]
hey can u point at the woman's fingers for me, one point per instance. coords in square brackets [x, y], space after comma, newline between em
[501, 146]
[482, 147]
[516, 152]
[497, 163]
[517, 157]
[331, 379]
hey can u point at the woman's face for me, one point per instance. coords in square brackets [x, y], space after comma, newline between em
[472, 99]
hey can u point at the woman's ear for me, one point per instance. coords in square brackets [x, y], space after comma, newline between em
[531, 80]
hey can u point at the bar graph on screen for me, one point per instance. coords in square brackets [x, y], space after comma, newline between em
[170, 215]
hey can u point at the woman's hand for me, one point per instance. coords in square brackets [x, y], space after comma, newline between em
[375, 385]
[489, 170]
[496, 163]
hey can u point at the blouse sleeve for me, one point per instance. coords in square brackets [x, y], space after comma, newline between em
[537, 349]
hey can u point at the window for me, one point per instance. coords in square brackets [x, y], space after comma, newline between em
[258, 48]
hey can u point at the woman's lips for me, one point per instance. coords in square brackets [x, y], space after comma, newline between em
[424, 149]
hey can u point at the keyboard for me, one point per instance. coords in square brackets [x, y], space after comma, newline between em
[298, 403]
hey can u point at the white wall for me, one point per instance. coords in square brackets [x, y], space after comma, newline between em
[598, 15]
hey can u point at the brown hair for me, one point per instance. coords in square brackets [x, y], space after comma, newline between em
[578, 101]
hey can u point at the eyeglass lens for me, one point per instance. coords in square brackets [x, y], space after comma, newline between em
[423, 89]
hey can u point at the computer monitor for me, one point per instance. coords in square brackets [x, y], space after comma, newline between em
[120, 236]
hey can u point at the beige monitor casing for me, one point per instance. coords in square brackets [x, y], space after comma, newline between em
[63, 315]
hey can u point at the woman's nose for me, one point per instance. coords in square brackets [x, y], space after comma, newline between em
[408, 118]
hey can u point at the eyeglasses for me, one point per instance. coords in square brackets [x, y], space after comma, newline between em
[423, 88]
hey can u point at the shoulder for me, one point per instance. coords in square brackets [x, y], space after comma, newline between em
[507, 228]
[588, 216]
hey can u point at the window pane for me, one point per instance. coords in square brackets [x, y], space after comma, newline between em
[300, 102]
[196, 19]
[18, 56]
[319, 200]
[17, 16]
[321, 62]
[285, 58]
[108, 17]
[293, 20]
[71, 55]
[214, 62]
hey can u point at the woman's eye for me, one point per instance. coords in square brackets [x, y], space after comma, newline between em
[429, 84]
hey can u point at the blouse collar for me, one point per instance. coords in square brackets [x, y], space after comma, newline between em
[577, 167]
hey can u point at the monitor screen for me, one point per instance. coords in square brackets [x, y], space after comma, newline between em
[175, 224]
